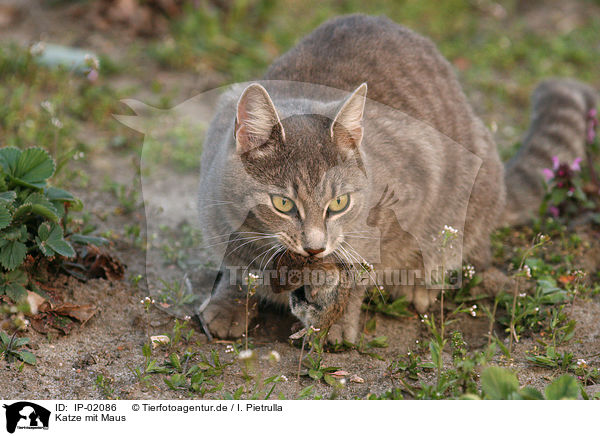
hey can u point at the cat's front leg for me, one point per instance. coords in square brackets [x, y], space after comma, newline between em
[227, 313]
[347, 327]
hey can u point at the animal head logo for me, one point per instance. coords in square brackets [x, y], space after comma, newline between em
[24, 414]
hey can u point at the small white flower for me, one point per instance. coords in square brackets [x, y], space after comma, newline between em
[92, 61]
[283, 377]
[468, 271]
[450, 230]
[522, 294]
[253, 276]
[57, 123]
[187, 318]
[581, 362]
[48, 106]
[229, 349]
[37, 48]
[527, 271]
[274, 355]
[246, 354]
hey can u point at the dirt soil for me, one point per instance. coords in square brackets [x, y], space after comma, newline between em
[110, 343]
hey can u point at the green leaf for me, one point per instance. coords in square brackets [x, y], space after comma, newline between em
[371, 325]
[27, 357]
[33, 167]
[38, 204]
[379, 342]
[315, 374]
[528, 393]
[78, 238]
[5, 217]
[499, 383]
[50, 236]
[57, 194]
[563, 388]
[8, 159]
[435, 354]
[8, 196]
[16, 276]
[16, 292]
[12, 254]
[331, 381]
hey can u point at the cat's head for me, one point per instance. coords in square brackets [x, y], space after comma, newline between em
[308, 181]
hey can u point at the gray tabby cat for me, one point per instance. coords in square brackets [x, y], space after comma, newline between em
[314, 170]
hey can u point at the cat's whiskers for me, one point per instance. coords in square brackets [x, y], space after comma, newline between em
[228, 235]
[233, 240]
[360, 260]
[255, 239]
[282, 249]
[263, 253]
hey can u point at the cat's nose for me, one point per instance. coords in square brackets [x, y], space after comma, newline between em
[314, 251]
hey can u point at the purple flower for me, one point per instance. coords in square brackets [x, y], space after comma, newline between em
[548, 174]
[92, 76]
[555, 163]
[591, 136]
[554, 211]
[575, 165]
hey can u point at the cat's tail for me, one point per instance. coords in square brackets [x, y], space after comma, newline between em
[559, 127]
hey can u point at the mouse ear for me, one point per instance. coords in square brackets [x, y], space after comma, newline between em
[256, 119]
[347, 127]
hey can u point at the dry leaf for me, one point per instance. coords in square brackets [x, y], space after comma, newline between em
[298, 335]
[81, 313]
[356, 379]
[35, 301]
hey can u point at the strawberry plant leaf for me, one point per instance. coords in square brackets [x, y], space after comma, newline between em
[12, 254]
[563, 388]
[50, 236]
[499, 383]
[8, 159]
[8, 196]
[33, 167]
[5, 216]
[37, 204]
[15, 292]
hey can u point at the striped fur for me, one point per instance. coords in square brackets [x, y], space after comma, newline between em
[428, 158]
[558, 128]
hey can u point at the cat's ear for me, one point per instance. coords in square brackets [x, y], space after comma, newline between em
[347, 127]
[256, 119]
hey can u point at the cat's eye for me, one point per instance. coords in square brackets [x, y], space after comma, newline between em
[282, 204]
[339, 204]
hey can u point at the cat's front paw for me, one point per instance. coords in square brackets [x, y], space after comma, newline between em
[423, 298]
[228, 319]
[340, 332]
